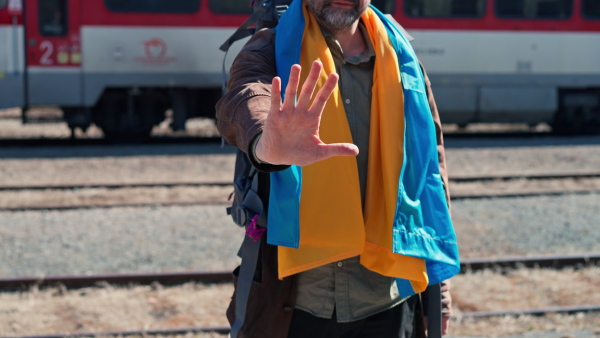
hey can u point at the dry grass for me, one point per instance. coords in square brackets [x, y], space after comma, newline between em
[518, 289]
[523, 289]
[517, 186]
[108, 308]
[517, 325]
[117, 197]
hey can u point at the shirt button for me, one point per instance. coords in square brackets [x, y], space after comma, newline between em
[339, 264]
[347, 101]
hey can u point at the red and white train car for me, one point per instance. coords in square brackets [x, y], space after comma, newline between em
[524, 61]
[122, 63]
[119, 64]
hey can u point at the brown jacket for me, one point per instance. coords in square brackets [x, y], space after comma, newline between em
[241, 114]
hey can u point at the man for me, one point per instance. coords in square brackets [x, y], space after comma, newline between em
[349, 171]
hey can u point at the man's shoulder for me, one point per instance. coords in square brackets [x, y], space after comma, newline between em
[265, 38]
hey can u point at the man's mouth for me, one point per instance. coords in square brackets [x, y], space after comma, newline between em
[342, 4]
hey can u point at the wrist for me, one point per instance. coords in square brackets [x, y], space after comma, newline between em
[256, 148]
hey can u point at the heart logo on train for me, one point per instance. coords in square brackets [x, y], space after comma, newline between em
[155, 48]
[155, 51]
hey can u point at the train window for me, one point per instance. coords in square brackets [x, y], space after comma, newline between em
[53, 17]
[3, 3]
[445, 8]
[534, 9]
[231, 6]
[591, 9]
[153, 6]
[385, 6]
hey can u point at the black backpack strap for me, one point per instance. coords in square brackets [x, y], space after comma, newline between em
[434, 315]
[250, 214]
[244, 31]
[250, 254]
[251, 208]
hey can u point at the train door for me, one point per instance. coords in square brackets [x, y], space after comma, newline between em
[11, 54]
[53, 52]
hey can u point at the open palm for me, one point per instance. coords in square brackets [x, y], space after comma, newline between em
[291, 131]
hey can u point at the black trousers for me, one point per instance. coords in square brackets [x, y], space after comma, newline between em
[403, 321]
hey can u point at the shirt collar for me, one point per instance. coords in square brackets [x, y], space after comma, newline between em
[336, 49]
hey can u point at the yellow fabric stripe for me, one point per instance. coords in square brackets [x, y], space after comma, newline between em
[386, 152]
[331, 221]
[332, 226]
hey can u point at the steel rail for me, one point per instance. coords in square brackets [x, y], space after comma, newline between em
[177, 278]
[527, 176]
[454, 197]
[525, 193]
[67, 141]
[110, 185]
[80, 206]
[226, 330]
[534, 312]
[553, 261]
[456, 179]
[141, 333]
[81, 281]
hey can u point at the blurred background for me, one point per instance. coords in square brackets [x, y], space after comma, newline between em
[114, 180]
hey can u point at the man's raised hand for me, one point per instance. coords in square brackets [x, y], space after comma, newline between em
[291, 131]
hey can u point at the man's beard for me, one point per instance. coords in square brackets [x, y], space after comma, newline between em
[335, 19]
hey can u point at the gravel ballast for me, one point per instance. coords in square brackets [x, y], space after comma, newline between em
[121, 240]
[117, 240]
[160, 238]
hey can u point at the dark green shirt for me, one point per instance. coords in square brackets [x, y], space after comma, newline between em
[353, 290]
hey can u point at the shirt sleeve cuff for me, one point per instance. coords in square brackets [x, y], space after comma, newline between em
[257, 163]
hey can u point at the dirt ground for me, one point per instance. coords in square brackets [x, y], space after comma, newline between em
[116, 197]
[108, 308]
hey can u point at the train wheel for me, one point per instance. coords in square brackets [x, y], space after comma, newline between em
[579, 114]
[122, 118]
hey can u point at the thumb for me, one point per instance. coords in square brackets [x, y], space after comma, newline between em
[339, 149]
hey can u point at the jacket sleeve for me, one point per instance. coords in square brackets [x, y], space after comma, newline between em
[445, 285]
[440, 137]
[241, 113]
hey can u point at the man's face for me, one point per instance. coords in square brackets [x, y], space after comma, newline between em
[337, 15]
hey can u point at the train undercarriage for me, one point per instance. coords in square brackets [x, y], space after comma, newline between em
[131, 113]
[579, 112]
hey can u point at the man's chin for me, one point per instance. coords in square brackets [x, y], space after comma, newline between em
[340, 19]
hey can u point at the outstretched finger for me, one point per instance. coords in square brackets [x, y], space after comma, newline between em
[324, 94]
[275, 94]
[338, 149]
[292, 88]
[308, 88]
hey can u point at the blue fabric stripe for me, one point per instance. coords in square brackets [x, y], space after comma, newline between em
[422, 227]
[404, 287]
[286, 185]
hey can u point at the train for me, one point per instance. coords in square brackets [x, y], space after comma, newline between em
[123, 64]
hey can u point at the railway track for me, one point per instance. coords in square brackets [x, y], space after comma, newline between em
[92, 141]
[454, 179]
[226, 330]
[74, 282]
[70, 142]
[176, 278]
[224, 277]
[493, 186]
